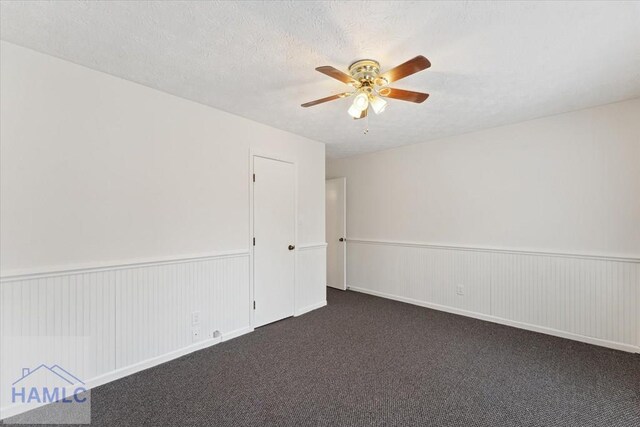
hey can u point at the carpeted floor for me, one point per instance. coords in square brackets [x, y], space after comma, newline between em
[367, 361]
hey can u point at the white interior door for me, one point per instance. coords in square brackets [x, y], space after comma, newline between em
[274, 244]
[336, 217]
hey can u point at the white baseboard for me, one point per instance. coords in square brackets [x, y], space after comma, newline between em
[507, 322]
[13, 410]
[309, 308]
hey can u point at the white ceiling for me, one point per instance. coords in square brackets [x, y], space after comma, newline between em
[493, 62]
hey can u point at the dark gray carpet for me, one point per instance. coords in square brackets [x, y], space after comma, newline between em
[367, 361]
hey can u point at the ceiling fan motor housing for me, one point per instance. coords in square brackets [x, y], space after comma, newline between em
[365, 71]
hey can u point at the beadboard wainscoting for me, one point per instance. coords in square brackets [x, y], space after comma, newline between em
[311, 277]
[594, 299]
[106, 322]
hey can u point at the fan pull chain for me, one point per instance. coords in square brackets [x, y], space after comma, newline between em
[366, 124]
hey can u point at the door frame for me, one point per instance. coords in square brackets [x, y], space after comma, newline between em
[279, 157]
[344, 184]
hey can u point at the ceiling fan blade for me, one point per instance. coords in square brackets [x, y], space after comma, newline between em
[405, 95]
[362, 115]
[327, 99]
[336, 74]
[412, 66]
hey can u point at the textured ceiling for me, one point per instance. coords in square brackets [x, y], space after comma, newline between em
[493, 62]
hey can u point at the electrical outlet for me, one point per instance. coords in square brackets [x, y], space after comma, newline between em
[195, 318]
[195, 334]
[460, 290]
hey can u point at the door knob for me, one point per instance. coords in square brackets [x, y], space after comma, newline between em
[342, 239]
[291, 247]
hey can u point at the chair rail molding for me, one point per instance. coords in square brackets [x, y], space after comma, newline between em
[610, 257]
[307, 246]
[32, 273]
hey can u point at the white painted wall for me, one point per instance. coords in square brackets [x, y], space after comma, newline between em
[567, 184]
[118, 171]
[123, 210]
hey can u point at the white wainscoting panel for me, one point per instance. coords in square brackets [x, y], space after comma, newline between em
[311, 277]
[594, 299]
[106, 322]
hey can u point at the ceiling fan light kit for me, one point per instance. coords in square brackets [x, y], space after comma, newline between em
[378, 104]
[370, 86]
[354, 111]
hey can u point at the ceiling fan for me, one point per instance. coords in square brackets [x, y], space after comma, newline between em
[370, 86]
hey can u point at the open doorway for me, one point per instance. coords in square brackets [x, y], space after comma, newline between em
[336, 231]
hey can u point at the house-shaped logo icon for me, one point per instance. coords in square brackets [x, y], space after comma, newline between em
[47, 384]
